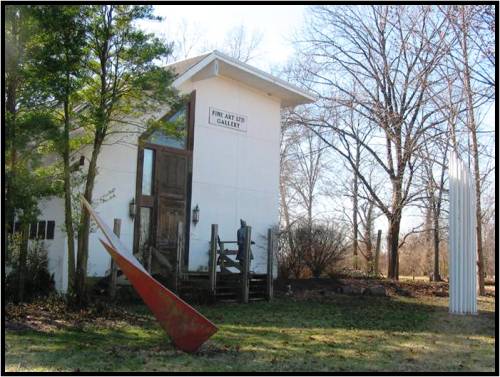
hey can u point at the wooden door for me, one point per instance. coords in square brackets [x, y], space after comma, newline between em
[170, 208]
[163, 192]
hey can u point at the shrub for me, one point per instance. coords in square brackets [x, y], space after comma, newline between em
[311, 250]
[39, 282]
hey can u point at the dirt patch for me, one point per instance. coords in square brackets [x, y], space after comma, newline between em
[321, 287]
[210, 348]
[52, 313]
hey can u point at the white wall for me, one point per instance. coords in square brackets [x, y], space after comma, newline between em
[53, 209]
[235, 174]
[117, 164]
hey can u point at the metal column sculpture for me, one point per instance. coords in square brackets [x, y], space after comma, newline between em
[462, 247]
[187, 328]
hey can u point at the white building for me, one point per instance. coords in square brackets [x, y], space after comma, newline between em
[224, 162]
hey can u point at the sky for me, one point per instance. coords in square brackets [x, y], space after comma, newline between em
[276, 23]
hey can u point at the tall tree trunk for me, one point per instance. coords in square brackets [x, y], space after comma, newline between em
[10, 108]
[84, 229]
[436, 275]
[393, 231]
[428, 235]
[368, 238]
[479, 232]
[12, 81]
[68, 215]
[471, 120]
[286, 214]
[393, 246]
[355, 208]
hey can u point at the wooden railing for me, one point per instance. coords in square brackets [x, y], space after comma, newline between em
[219, 255]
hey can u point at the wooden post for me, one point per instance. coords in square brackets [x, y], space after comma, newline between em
[246, 265]
[117, 224]
[377, 251]
[178, 258]
[212, 260]
[270, 256]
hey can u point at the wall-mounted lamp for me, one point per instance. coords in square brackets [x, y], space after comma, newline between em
[131, 208]
[196, 214]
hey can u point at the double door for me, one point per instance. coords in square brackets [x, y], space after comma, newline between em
[163, 187]
[163, 205]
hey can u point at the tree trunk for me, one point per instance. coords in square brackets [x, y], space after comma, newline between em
[10, 108]
[84, 229]
[355, 209]
[429, 232]
[393, 246]
[479, 232]
[68, 215]
[475, 152]
[393, 231]
[286, 215]
[436, 275]
[369, 246]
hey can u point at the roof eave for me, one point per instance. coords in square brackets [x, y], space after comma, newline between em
[302, 96]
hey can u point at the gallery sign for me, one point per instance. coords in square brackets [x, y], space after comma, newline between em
[226, 119]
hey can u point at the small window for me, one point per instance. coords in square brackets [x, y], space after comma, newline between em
[147, 172]
[172, 132]
[41, 230]
[145, 231]
[50, 229]
[33, 231]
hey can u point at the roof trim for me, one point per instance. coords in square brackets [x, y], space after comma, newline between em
[190, 72]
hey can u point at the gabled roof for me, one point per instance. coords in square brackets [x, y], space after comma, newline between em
[217, 63]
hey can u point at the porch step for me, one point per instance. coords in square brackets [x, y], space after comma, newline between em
[195, 284]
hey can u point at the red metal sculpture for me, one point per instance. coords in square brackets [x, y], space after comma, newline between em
[187, 328]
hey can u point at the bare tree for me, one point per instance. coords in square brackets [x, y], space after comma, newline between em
[368, 213]
[390, 53]
[289, 258]
[242, 45]
[462, 20]
[302, 169]
[435, 187]
[189, 40]
[307, 157]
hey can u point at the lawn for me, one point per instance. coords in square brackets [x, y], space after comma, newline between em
[334, 334]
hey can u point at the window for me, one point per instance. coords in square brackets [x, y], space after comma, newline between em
[50, 229]
[147, 172]
[172, 132]
[42, 230]
[33, 231]
[145, 231]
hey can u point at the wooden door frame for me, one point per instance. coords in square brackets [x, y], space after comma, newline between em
[149, 201]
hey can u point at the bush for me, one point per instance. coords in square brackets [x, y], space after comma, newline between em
[38, 282]
[312, 250]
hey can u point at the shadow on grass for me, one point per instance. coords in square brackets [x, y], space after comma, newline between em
[348, 312]
[344, 333]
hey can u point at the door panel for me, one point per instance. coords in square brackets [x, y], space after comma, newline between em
[163, 192]
[171, 174]
[170, 207]
[170, 213]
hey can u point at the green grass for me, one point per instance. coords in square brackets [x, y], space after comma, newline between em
[340, 334]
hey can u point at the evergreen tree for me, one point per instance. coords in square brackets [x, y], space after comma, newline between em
[127, 81]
